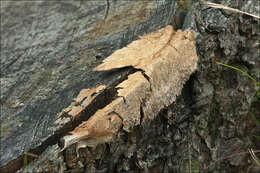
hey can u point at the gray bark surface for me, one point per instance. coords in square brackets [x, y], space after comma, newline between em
[49, 48]
[48, 51]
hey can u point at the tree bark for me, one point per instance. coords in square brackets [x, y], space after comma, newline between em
[48, 51]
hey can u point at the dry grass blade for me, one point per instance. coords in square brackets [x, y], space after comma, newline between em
[214, 5]
[32, 155]
[257, 161]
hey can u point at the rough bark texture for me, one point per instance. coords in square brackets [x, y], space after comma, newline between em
[225, 98]
[49, 48]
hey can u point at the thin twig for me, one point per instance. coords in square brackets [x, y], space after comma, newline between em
[257, 161]
[230, 156]
[214, 5]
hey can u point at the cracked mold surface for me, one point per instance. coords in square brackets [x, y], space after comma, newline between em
[140, 99]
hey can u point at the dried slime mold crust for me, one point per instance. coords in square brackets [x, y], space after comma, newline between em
[168, 58]
[99, 128]
[164, 61]
[80, 103]
[139, 53]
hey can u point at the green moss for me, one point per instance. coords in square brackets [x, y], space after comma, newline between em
[183, 5]
[254, 118]
[257, 96]
[194, 167]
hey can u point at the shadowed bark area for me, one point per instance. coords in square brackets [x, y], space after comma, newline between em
[48, 51]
